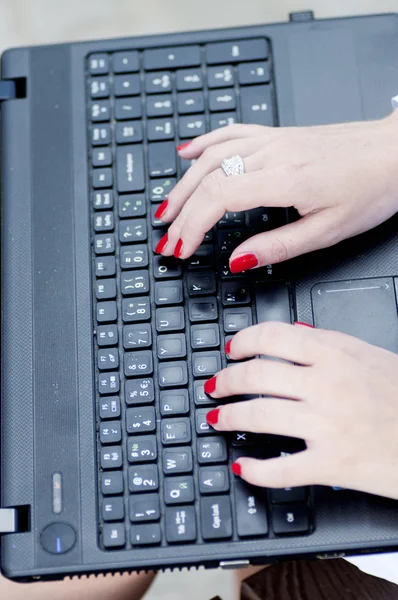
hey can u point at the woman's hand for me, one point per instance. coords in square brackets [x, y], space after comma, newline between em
[342, 179]
[340, 396]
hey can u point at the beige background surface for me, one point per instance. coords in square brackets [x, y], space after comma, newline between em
[25, 22]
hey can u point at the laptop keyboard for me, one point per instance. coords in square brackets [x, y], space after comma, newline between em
[161, 324]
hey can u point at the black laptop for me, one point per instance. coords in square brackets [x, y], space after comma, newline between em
[107, 462]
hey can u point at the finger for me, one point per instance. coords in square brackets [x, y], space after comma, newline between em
[259, 376]
[224, 134]
[299, 469]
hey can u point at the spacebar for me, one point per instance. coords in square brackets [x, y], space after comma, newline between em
[272, 302]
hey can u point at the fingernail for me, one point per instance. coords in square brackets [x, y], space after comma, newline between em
[161, 210]
[212, 416]
[243, 263]
[236, 469]
[210, 385]
[178, 248]
[162, 244]
[228, 347]
[183, 146]
[304, 324]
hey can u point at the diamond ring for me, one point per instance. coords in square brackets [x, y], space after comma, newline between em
[233, 166]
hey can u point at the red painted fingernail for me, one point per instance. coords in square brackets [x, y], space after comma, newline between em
[212, 416]
[183, 146]
[210, 385]
[243, 263]
[162, 244]
[236, 469]
[178, 248]
[304, 324]
[228, 347]
[162, 209]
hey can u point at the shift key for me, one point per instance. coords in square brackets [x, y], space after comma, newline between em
[130, 168]
[250, 506]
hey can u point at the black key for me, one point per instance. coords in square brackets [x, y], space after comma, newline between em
[177, 460]
[112, 483]
[290, 519]
[171, 346]
[136, 309]
[159, 189]
[133, 230]
[264, 218]
[250, 507]
[201, 283]
[222, 120]
[176, 431]
[110, 432]
[100, 111]
[113, 535]
[225, 271]
[156, 223]
[104, 221]
[130, 168]
[141, 448]
[212, 450]
[111, 457]
[102, 178]
[158, 82]
[107, 335]
[206, 364]
[126, 85]
[137, 336]
[145, 535]
[286, 495]
[128, 132]
[208, 236]
[173, 374]
[232, 219]
[190, 102]
[170, 319]
[109, 407]
[108, 359]
[236, 319]
[229, 240]
[179, 490]
[235, 293]
[126, 62]
[106, 312]
[162, 159]
[205, 336]
[189, 79]
[143, 478]
[180, 523]
[213, 480]
[204, 309]
[191, 126]
[140, 420]
[105, 289]
[159, 130]
[166, 267]
[134, 282]
[168, 293]
[237, 51]
[240, 439]
[128, 108]
[108, 383]
[174, 57]
[101, 157]
[201, 424]
[105, 266]
[272, 302]
[203, 257]
[132, 205]
[222, 100]
[98, 64]
[174, 403]
[144, 507]
[157, 235]
[134, 256]
[220, 77]
[216, 517]
[256, 105]
[257, 72]
[200, 397]
[137, 364]
[102, 200]
[101, 135]
[159, 106]
[139, 391]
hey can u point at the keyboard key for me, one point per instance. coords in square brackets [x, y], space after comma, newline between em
[159, 189]
[126, 62]
[219, 77]
[106, 312]
[212, 450]
[222, 120]
[176, 431]
[136, 309]
[257, 72]
[162, 159]
[174, 57]
[286, 495]
[141, 448]
[110, 432]
[101, 135]
[145, 535]
[105, 289]
[102, 178]
[138, 363]
[107, 335]
[157, 235]
[158, 82]
[109, 407]
[134, 256]
[166, 267]
[170, 319]
[177, 460]
[250, 508]
[174, 403]
[128, 108]
[139, 391]
[101, 157]
[143, 478]
[160, 105]
[98, 64]
[190, 102]
[178, 490]
[201, 283]
[202, 259]
[180, 523]
[216, 517]
[112, 483]
[108, 359]
[186, 164]
[159, 130]
[173, 374]
[132, 231]
[108, 383]
[213, 480]
[232, 219]
[241, 439]
[235, 293]
[132, 205]
[290, 519]
[236, 319]
[205, 336]
[140, 419]
[113, 535]
[237, 51]
[137, 336]
[189, 79]
[191, 126]
[130, 168]
[201, 425]
[156, 223]
[102, 200]
[206, 364]
[144, 507]
[168, 293]
[225, 272]
[126, 85]
[134, 282]
[103, 221]
[200, 397]
[229, 240]
[204, 309]
[105, 266]
[100, 111]
[111, 457]
[256, 105]
[171, 346]
[128, 132]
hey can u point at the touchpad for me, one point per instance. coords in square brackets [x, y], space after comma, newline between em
[364, 308]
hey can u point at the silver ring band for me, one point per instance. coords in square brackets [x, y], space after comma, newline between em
[233, 166]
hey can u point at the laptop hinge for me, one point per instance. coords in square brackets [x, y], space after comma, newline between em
[302, 16]
[8, 520]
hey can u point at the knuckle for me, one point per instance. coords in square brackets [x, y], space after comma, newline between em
[210, 154]
[278, 251]
[271, 331]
